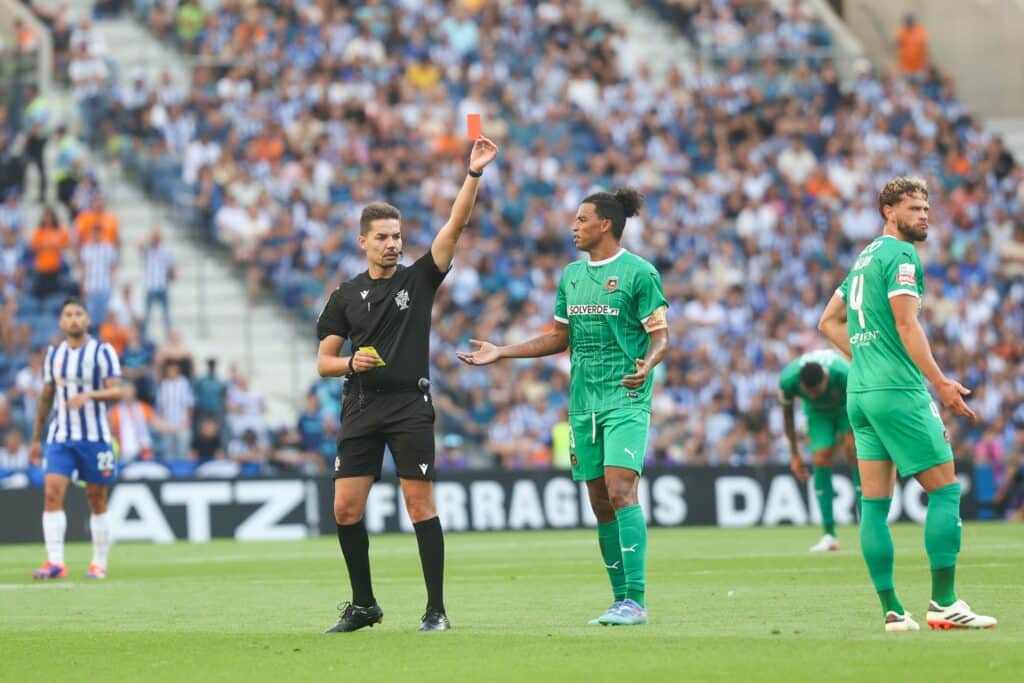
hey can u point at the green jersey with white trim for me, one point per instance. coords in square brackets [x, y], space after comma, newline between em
[886, 268]
[834, 397]
[605, 305]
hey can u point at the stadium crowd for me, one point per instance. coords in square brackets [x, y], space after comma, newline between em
[760, 169]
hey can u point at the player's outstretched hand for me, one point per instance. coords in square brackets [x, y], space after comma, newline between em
[35, 453]
[484, 152]
[364, 360]
[485, 353]
[952, 393]
[637, 379]
[799, 469]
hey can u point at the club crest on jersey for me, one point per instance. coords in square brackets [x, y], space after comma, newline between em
[402, 300]
[611, 284]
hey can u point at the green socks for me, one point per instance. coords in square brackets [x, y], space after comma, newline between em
[942, 541]
[608, 539]
[876, 546]
[824, 493]
[633, 540]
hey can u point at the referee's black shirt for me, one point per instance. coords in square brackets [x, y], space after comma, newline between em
[390, 314]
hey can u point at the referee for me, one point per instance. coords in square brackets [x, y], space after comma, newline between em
[385, 313]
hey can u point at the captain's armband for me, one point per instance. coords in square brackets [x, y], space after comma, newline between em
[657, 320]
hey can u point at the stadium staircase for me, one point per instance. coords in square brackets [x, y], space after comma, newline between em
[209, 303]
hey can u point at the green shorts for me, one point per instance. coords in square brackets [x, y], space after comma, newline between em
[610, 438]
[826, 428]
[901, 425]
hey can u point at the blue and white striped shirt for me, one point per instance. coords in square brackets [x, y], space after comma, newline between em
[157, 266]
[174, 398]
[75, 371]
[98, 261]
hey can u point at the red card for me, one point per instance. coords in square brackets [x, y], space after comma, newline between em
[474, 129]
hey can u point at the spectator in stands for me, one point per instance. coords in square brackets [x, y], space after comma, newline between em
[246, 408]
[158, 273]
[14, 458]
[28, 386]
[137, 365]
[248, 449]
[37, 132]
[175, 404]
[49, 242]
[98, 224]
[115, 334]
[99, 267]
[69, 167]
[125, 307]
[133, 423]
[13, 335]
[86, 191]
[912, 47]
[209, 441]
[12, 159]
[7, 423]
[89, 78]
[310, 426]
[210, 394]
[174, 350]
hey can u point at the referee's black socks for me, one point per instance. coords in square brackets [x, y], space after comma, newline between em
[431, 541]
[355, 546]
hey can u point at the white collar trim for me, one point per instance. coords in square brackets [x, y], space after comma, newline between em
[607, 260]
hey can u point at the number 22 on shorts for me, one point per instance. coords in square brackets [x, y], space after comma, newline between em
[105, 460]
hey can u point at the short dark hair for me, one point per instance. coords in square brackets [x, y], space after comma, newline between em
[616, 206]
[73, 301]
[898, 188]
[811, 374]
[377, 211]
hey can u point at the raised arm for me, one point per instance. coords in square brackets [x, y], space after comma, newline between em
[951, 392]
[833, 325]
[443, 248]
[547, 344]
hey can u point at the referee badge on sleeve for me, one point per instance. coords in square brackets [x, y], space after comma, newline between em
[611, 284]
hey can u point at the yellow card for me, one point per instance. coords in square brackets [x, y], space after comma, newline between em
[370, 349]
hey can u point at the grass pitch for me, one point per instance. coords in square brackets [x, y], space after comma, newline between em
[726, 605]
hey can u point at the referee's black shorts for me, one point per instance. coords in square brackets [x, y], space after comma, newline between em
[404, 421]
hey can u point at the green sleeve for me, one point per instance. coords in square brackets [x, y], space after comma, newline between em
[561, 311]
[789, 382]
[649, 294]
[844, 288]
[903, 274]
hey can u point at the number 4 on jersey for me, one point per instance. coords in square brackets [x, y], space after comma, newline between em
[857, 298]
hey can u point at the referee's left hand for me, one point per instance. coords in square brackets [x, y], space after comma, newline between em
[637, 379]
[363, 361]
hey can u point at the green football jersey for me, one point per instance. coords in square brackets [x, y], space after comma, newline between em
[834, 397]
[886, 268]
[605, 305]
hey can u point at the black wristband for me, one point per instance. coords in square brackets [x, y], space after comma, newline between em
[351, 368]
[476, 174]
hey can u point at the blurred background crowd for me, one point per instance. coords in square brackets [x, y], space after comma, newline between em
[761, 167]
